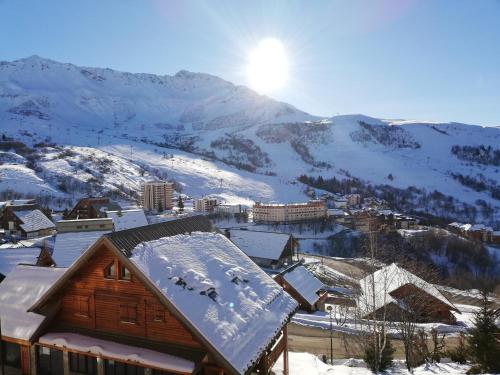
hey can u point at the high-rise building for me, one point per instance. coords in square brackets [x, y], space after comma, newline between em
[157, 196]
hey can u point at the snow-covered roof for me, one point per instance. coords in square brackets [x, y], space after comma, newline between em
[336, 212]
[126, 219]
[480, 227]
[110, 349]
[260, 244]
[387, 280]
[227, 298]
[10, 258]
[70, 245]
[34, 220]
[304, 283]
[22, 287]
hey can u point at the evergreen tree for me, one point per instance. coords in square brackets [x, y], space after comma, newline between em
[370, 356]
[483, 345]
[180, 204]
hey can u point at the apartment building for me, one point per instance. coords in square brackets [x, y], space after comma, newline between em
[293, 212]
[205, 204]
[157, 196]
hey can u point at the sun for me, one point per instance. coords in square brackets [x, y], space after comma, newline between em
[267, 68]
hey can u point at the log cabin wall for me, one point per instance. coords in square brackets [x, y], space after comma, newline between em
[92, 301]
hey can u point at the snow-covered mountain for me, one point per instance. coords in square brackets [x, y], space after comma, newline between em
[228, 140]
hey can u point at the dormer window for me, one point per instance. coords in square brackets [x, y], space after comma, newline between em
[125, 273]
[110, 271]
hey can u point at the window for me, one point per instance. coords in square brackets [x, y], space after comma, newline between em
[11, 354]
[158, 313]
[110, 271]
[120, 368]
[82, 364]
[125, 273]
[50, 361]
[81, 305]
[128, 312]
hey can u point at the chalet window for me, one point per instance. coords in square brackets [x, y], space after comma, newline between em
[158, 313]
[82, 364]
[120, 368]
[128, 312]
[82, 305]
[11, 354]
[50, 361]
[110, 271]
[125, 273]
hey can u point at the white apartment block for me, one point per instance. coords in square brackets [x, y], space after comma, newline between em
[157, 196]
[292, 212]
[204, 204]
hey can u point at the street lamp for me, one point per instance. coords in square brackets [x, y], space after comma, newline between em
[329, 308]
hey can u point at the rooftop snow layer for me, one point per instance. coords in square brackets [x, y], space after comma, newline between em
[126, 353]
[225, 295]
[22, 287]
[10, 258]
[70, 245]
[387, 280]
[305, 283]
[260, 244]
[34, 220]
[127, 219]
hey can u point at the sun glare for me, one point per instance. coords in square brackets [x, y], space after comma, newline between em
[267, 68]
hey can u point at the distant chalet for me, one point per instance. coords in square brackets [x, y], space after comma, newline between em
[169, 298]
[303, 286]
[26, 221]
[287, 213]
[92, 208]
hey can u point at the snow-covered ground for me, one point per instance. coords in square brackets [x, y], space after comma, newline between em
[321, 320]
[305, 363]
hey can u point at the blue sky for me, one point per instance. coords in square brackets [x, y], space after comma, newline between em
[417, 59]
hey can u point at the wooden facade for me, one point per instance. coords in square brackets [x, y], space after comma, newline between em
[106, 299]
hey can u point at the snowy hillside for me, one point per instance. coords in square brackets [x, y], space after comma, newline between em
[228, 140]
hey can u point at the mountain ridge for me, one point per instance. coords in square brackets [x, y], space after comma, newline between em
[251, 138]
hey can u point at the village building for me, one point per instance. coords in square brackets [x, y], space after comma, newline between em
[267, 250]
[85, 225]
[292, 212]
[393, 288]
[353, 199]
[11, 257]
[303, 286]
[168, 298]
[127, 219]
[230, 209]
[26, 221]
[205, 204]
[92, 208]
[157, 196]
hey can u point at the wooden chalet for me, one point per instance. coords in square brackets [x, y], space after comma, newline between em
[397, 289]
[26, 221]
[303, 286]
[92, 208]
[162, 299]
[268, 250]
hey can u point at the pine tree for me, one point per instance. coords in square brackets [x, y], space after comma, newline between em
[483, 345]
[180, 204]
[371, 359]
